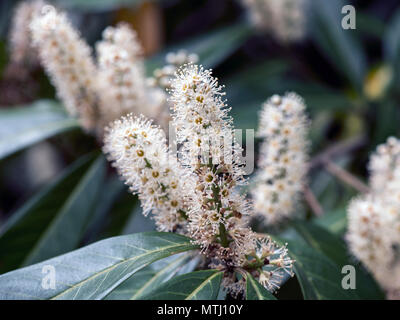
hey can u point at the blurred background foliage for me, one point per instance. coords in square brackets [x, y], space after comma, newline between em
[54, 180]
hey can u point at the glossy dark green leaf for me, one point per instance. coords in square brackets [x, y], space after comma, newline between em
[68, 224]
[198, 285]
[112, 192]
[335, 249]
[92, 272]
[335, 221]
[149, 278]
[339, 45]
[255, 291]
[248, 89]
[319, 277]
[370, 25]
[209, 46]
[97, 5]
[21, 127]
[24, 229]
[391, 42]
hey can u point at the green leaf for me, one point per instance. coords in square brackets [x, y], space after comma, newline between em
[248, 89]
[198, 285]
[25, 227]
[208, 46]
[335, 249]
[391, 41]
[67, 227]
[370, 25]
[43, 228]
[98, 5]
[255, 291]
[343, 49]
[144, 281]
[319, 277]
[112, 191]
[92, 272]
[124, 210]
[335, 221]
[21, 127]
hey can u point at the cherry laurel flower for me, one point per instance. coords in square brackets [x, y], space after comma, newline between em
[161, 79]
[20, 36]
[139, 151]
[98, 92]
[162, 76]
[68, 61]
[121, 72]
[283, 158]
[285, 19]
[385, 169]
[373, 232]
[217, 216]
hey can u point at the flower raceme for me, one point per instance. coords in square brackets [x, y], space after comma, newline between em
[196, 192]
[139, 151]
[285, 19]
[121, 72]
[68, 61]
[283, 158]
[102, 90]
[218, 213]
[373, 232]
[20, 36]
[162, 76]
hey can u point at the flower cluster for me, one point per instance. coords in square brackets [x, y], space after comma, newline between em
[283, 158]
[122, 81]
[285, 19]
[102, 90]
[196, 192]
[218, 214]
[20, 36]
[162, 76]
[139, 151]
[374, 219]
[68, 60]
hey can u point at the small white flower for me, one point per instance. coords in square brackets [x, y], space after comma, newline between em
[68, 60]
[285, 19]
[122, 81]
[21, 50]
[373, 233]
[139, 151]
[283, 158]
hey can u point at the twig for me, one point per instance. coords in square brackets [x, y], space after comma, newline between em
[345, 176]
[336, 150]
[312, 201]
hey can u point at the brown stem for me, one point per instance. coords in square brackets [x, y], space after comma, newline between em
[345, 176]
[336, 150]
[312, 201]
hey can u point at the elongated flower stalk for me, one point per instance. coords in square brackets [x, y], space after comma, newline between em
[218, 214]
[373, 232]
[283, 158]
[285, 19]
[122, 82]
[162, 76]
[21, 51]
[139, 151]
[385, 170]
[68, 60]
[116, 86]
[161, 80]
